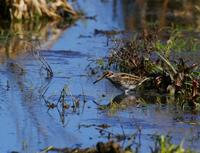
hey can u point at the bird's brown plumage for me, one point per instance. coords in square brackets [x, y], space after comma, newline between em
[123, 80]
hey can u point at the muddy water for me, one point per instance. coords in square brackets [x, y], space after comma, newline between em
[28, 126]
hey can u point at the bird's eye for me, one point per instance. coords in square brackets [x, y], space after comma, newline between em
[110, 74]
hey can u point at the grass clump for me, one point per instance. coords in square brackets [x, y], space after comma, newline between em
[163, 145]
[152, 54]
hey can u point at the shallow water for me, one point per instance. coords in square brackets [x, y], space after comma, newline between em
[28, 126]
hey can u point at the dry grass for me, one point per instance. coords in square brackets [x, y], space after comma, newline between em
[30, 9]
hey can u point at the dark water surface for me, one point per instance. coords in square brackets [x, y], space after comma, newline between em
[26, 126]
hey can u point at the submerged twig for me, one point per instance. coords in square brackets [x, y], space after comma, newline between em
[45, 64]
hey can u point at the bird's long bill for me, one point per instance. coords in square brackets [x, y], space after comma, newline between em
[99, 79]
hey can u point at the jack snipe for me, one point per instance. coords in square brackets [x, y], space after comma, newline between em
[125, 81]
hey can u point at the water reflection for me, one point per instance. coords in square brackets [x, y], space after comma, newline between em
[140, 13]
[22, 100]
[136, 99]
[17, 38]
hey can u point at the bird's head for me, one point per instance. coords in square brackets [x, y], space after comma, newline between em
[106, 74]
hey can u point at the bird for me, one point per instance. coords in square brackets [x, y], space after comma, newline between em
[124, 81]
